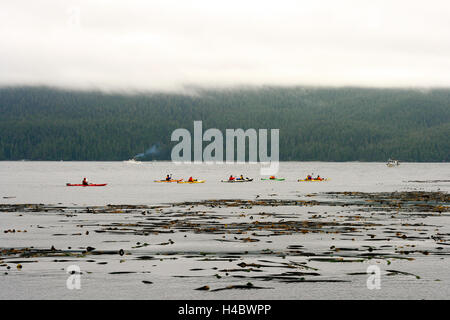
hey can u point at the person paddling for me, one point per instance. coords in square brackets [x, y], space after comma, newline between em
[168, 178]
[272, 177]
[231, 178]
[242, 177]
[85, 182]
[190, 179]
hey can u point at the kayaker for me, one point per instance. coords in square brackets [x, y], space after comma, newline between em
[242, 177]
[309, 177]
[190, 179]
[168, 178]
[85, 182]
[231, 178]
[272, 177]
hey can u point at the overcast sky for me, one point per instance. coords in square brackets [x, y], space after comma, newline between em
[165, 45]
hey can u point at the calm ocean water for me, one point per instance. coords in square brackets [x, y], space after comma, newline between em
[175, 265]
[128, 183]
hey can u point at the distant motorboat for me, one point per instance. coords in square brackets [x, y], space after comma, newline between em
[132, 161]
[392, 163]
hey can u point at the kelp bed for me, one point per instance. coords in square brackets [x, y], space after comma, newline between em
[237, 244]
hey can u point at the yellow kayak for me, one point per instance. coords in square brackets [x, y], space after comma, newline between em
[195, 181]
[313, 180]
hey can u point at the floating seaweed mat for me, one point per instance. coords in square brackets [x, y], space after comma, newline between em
[335, 260]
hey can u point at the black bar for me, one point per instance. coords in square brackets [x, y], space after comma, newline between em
[227, 309]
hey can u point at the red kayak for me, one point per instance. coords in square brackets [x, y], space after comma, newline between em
[89, 185]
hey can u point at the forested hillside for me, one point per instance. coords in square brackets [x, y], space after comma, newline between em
[327, 124]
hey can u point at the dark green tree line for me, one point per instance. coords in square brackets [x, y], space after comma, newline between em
[327, 124]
